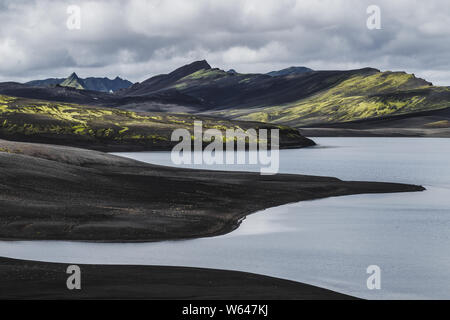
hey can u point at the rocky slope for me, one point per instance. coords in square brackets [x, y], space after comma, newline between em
[111, 129]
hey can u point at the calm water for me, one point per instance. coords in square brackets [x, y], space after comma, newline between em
[327, 242]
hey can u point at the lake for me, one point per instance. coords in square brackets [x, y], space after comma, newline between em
[328, 242]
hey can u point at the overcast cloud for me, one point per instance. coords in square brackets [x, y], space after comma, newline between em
[136, 39]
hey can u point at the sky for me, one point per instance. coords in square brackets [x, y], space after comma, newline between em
[136, 39]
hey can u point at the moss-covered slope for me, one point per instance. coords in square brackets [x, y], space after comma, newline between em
[109, 129]
[74, 82]
[359, 97]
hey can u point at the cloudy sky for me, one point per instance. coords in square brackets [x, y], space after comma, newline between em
[136, 39]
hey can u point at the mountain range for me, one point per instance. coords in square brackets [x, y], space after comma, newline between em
[91, 83]
[296, 96]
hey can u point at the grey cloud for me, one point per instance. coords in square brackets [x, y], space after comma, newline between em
[136, 39]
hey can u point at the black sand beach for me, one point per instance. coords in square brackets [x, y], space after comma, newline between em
[61, 193]
[21, 279]
[376, 132]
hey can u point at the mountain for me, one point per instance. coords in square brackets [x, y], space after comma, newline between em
[165, 80]
[206, 89]
[313, 98]
[105, 84]
[91, 83]
[307, 99]
[288, 71]
[360, 96]
[46, 82]
[74, 82]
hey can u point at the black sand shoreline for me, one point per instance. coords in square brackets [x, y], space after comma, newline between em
[22, 279]
[376, 132]
[52, 192]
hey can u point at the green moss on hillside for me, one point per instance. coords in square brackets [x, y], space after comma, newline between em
[72, 124]
[73, 81]
[359, 97]
[205, 74]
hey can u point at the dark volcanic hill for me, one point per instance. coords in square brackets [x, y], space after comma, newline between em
[165, 81]
[290, 70]
[91, 83]
[203, 88]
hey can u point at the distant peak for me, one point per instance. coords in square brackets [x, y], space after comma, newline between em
[73, 76]
[204, 63]
[73, 81]
[289, 71]
[370, 69]
[189, 69]
[198, 65]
